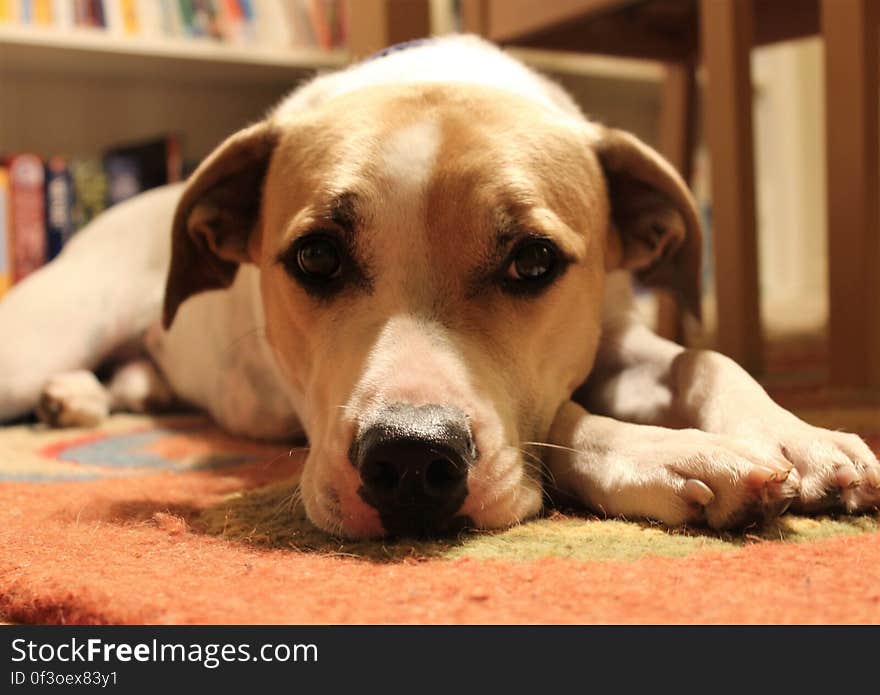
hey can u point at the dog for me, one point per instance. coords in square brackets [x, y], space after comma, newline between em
[423, 263]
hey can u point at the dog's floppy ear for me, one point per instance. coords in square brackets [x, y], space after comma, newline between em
[218, 210]
[655, 216]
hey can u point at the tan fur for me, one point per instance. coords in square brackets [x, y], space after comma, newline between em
[433, 328]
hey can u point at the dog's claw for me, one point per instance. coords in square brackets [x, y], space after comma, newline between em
[697, 491]
[760, 476]
[847, 477]
[783, 468]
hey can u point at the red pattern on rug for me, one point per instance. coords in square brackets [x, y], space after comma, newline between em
[99, 542]
[126, 556]
[113, 552]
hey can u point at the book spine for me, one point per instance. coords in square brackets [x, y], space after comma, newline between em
[205, 18]
[173, 159]
[320, 25]
[81, 13]
[300, 24]
[149, 14]
[63, 13]
[123, 178]
[188, 17]
[89, 190]
[59, 206]
[248, 20]
[96, 14]
[43, 12]
[172, 22]
[130, 20]
[8, 11]
[112, 12]
[229, 20]
[28, 217]
[5, 233]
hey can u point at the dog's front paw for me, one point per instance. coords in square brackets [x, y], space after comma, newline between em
[673, 476]
[837, 470]
[73, 399]
[693, 477]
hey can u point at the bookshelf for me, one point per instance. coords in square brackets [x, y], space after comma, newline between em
[76, 91]
[77, 86]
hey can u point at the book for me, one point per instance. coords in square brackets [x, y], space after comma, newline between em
[149, 16]
[130, 17]
[299, 24]
[272, 24]
[188, 17]
[320, 16]
[59, 206]
[112, 11]
[81, 13]
[9, 11]
[27, 206]
[5, 234]
[96, 13]
[88, 13]
[172, 18]
[89, 190]
[136, 167]
[205, 19]
[123, 178]
[42, 13]
[63, 13]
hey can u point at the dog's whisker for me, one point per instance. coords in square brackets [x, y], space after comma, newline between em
[553, 446]
[541, 473]
[538, 466]
[289, 503]
[335, 529]
[288, 454]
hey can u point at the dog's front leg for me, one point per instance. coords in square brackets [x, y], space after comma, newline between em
[643, 378]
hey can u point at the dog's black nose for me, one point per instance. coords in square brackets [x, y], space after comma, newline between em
[413, 462]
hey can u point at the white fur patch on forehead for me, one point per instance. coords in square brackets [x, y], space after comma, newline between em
[408, 156]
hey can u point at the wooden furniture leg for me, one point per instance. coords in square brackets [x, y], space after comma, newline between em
[676, 138]
[850, 29]
[475, 17]
[382, 23]
[726, 34]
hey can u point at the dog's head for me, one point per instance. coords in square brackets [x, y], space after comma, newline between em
[432, 262]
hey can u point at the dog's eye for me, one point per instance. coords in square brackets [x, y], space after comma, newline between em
[533, 263]
[318, 258]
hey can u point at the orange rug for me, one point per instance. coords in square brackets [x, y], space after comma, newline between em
[170, 521]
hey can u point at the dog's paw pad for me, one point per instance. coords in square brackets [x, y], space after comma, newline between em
[73, 399]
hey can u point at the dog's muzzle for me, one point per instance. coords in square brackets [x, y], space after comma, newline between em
[414, 463]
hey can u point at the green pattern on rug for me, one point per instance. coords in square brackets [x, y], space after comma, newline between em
[272, 517]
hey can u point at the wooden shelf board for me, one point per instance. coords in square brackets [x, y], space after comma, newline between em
[94, 52]
[590, 64]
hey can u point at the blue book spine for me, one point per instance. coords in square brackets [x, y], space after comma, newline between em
[59, 206]
[123, 178]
